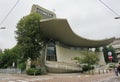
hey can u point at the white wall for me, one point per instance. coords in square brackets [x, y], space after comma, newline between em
[67, 55]
[101, 58]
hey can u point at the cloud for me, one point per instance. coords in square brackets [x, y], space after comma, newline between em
[88, 18]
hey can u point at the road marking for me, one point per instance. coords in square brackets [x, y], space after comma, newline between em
[22, 81]
[33, 79]
[78, 76]
[86, 75]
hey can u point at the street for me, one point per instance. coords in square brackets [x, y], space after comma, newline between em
[68, 77]
[115, 79]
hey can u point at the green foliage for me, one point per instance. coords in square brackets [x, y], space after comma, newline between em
[105, 52]
[89, 58]
[21, 66]
[87, 67]
[29, 36]
[77, 58]
[97, 49]
[33, 71]
[8, 57]
[111, 65]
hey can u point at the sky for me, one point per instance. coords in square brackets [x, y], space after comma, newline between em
[88, 18]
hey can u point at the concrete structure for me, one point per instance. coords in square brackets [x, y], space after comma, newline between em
[63, 45]
[45, 14]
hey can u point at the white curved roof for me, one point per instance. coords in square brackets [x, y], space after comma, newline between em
[59, 29]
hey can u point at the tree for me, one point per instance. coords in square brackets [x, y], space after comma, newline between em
[7, 58]
[89, 59]
[29, 36]
[109, 49]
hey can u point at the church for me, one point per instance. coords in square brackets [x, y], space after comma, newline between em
[64, 45]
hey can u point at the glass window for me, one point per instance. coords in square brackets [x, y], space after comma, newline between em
[51, 52]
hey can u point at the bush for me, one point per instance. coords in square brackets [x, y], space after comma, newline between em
[33, 71]
[111, 65]
[22, 66]
[87, 67]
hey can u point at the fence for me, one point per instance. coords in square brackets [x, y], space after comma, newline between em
[11, 71]
[99, 71]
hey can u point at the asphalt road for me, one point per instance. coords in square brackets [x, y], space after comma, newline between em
[115, 79]
[70, 77]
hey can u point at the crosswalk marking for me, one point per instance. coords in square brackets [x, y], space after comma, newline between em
[33, 79]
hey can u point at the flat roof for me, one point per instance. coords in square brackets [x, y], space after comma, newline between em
[59, 29]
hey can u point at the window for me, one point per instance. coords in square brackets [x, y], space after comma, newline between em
[51, 52]
[44, 12]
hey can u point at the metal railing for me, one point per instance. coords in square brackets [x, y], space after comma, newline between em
[11, 71]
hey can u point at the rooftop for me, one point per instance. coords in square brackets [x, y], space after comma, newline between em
[59, 29]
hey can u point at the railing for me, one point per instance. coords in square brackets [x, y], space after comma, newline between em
[99, 71]
[11, 71]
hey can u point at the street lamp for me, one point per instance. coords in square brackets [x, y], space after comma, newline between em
[2, 28]
[117, 17]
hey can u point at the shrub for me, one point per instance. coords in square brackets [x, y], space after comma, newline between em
[111, 65]
[33, 71]
[87, 67]
[22, 66]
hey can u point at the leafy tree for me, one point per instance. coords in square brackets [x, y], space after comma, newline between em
[105, 52]
[97, 49]
[113, 54]
[29, 36]
[30, 40]
[7, 58]
[89, 58]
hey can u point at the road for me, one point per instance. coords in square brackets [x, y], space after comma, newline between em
[115, 79]
[69, 77]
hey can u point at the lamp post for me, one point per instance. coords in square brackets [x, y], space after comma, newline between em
[2, 28]
[117, 17]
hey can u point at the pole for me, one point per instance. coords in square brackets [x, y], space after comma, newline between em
[117, 17]
[2, 28]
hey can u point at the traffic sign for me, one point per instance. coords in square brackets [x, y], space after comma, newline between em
[110, 57]
[109, 53]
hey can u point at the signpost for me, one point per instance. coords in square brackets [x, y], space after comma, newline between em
[109, 53]
[110, 57]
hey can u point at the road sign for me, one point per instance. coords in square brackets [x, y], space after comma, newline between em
[109, 53]
[110, 57]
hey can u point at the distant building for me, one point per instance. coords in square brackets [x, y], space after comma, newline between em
[64, 45]
[45, 14]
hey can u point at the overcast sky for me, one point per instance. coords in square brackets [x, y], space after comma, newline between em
[88, 18]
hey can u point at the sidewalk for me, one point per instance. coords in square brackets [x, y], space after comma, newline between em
[81, 77]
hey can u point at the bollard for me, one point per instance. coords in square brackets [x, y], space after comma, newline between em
[106, 71]
[34, 73]
[92, 72]
[103, 71]
[99, 71]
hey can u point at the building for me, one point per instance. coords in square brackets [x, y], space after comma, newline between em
[64, 45]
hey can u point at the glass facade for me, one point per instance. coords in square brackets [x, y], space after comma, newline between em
[51, 52]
